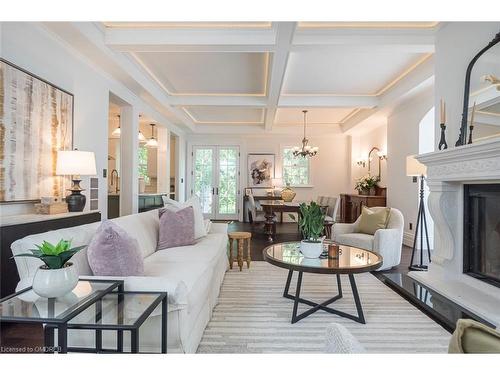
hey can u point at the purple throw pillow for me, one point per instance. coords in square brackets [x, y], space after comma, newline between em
[176, 228]
[112, 252]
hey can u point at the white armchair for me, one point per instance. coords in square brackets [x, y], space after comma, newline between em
[386, 242]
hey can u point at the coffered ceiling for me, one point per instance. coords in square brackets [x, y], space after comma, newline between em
[255, 75]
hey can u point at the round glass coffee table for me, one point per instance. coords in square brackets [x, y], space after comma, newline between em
[350, 261]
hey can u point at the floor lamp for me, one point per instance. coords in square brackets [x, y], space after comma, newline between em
[416, 169]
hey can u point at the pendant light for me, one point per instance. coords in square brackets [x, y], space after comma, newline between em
[305, 150]
[152, 142]
[116, 133]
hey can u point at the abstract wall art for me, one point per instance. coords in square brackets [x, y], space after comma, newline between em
[260, 170]
[36, 120]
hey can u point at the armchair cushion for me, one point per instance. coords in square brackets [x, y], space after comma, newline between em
[373, 220]
[473, 337]
[360, 240]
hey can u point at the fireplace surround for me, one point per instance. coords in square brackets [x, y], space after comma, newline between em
[449, 172]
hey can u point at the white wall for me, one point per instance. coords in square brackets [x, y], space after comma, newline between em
[456, 44]
[32, 47]
[361, 146]
[330, 172]
[403, 140]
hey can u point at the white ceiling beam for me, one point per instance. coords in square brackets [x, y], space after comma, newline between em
[141, 40]
[92, 33]
[218, 100]
[348, 101]
[417, 80]
[284, 37]
[415, 41]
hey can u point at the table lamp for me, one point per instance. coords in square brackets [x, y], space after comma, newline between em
[277, 184]
[75, 163]
[415, 168]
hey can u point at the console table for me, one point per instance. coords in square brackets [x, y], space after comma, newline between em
[352, 204]
[15, 227]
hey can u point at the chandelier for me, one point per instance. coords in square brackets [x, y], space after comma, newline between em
[305, 150]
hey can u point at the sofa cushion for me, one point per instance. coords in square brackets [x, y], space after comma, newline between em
[474, 337]
[143, 227]
[79, 236]
[199, 225]
[176, 227]
[373, 220]
[361, 240]
[112, 252]
[205, 250]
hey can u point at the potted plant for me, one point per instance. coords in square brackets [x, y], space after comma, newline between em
[311, 222]
[366, 185]
[56, 277]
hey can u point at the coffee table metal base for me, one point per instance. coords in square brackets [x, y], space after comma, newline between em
[323, 305]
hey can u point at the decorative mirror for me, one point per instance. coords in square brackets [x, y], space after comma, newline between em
[481, 108]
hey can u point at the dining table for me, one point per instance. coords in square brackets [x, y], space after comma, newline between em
[273, 206]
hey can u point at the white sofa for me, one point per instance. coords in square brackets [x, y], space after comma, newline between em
[192, 276]
[386, 242]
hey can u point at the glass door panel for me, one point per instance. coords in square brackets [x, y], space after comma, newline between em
[228, 183]
[203, 178]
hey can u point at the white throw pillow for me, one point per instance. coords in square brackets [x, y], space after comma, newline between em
[208, 224]
[199, 225]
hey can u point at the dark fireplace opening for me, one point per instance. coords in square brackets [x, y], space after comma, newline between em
[482, 232]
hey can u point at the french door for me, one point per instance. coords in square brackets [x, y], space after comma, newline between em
[215, 180]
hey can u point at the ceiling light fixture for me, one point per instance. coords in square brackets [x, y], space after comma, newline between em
[117, 132]
[305, 150]
[152, 142]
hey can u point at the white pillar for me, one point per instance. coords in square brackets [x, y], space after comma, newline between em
[129, 145]
[163, 155]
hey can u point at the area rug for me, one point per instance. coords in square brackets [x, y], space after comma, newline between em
[253, 317]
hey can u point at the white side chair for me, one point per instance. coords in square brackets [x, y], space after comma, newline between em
[386, 242]
[255, 212]
[332, 204]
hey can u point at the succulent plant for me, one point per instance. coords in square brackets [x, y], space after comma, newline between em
[54, 256]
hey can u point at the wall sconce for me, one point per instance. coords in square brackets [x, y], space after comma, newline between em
[361, 162]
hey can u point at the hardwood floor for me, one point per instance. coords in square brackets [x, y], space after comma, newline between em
[289, 232]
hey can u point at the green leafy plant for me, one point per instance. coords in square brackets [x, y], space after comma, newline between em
[311, 221]
[366, 182]
[54, 256]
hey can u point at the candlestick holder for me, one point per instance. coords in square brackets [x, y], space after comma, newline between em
[471, 128]
[442, 142]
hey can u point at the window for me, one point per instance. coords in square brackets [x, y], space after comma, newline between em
[295, 169]
[143, 164]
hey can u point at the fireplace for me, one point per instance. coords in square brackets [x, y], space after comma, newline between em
[482, 232]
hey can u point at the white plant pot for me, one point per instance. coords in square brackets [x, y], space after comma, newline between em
[311, 249]
[50, 283]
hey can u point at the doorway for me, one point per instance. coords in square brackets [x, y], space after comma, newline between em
[215, 180]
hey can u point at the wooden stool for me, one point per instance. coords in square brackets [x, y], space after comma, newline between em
[240, 238]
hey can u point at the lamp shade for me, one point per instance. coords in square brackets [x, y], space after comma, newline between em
[414, 167]
[75, 163]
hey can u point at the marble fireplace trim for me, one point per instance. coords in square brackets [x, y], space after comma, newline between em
[447, 172]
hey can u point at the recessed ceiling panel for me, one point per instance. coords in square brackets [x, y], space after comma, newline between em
[207, 73]
[225, 115]
[344, 71]
[292, 116]
[188, 25]
[367, 25]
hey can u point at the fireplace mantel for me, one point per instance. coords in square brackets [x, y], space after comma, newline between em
[447, 172]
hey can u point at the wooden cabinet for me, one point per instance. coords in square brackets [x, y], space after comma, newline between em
[352, 204]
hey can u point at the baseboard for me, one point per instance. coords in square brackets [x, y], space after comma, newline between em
[408, 238]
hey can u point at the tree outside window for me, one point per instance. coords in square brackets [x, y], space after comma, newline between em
[295, 169]
[143, 164]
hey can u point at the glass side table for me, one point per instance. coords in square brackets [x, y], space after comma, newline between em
[54, 313]
[121, 311]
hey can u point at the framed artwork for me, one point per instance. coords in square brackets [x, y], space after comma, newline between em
[260, 170]
[36, 120]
